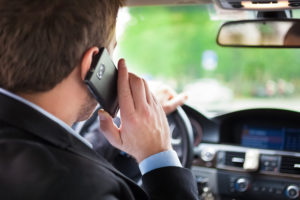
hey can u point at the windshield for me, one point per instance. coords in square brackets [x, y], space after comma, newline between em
[177, 46]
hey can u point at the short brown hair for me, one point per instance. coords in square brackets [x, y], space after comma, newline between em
[42, 41]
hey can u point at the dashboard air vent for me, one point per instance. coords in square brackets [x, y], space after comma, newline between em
[234, 159]
[290, 165]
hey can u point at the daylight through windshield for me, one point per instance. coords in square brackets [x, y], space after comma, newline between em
[177, 45]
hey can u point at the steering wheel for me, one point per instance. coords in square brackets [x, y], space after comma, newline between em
[181, 137]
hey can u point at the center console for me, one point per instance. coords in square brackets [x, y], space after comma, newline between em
[271, 174]
[249, 155]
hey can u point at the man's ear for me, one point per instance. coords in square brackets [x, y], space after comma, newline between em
[87, 61]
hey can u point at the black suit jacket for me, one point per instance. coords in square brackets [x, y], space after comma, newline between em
[40, 160]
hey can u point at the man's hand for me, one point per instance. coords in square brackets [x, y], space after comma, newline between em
[167, 97]
[144, 130]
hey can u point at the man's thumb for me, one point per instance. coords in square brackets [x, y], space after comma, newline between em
[109, 129]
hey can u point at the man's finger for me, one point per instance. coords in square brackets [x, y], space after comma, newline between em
[171, 105]
[169, 92]
[124, 93]
[138, 91]
[148, 92]
[109, 129]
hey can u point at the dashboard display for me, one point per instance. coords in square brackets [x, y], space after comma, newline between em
[271, 138]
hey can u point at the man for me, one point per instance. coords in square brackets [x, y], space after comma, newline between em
[292, 38]
[46, 50]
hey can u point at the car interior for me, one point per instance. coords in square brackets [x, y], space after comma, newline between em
[247, 148]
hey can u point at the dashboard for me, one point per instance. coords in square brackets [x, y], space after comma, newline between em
[262, 128]
[248, 154]
[245, 155]
[268, 137]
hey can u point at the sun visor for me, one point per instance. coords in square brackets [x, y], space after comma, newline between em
[165, 2]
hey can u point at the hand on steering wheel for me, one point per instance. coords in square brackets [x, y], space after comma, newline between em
[167, 97]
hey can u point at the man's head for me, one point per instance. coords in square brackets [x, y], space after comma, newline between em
[44, 41]
[292, 37]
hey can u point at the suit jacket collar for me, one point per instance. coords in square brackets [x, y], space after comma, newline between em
[26, 118]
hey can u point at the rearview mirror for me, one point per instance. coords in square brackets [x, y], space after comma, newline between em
[261, 33]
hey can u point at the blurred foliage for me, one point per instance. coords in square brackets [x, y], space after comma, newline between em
[170, 41]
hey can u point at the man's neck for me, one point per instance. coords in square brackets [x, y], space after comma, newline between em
[54, 102]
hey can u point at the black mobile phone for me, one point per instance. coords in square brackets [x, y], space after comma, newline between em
[102, 82]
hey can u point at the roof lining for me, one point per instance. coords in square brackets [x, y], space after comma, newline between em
[165, 2]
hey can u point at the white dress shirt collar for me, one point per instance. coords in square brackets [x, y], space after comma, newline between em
[47, 114]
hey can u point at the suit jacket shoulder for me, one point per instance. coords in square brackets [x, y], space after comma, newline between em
[41, 160]
[34, 170]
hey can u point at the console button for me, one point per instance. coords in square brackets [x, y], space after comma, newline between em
[292, 192]
[242, 185]
[255, 188]
[208, 155]
[278, 191]
[274, 164]
[263, 189]
[266, 163]
[270, 190]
